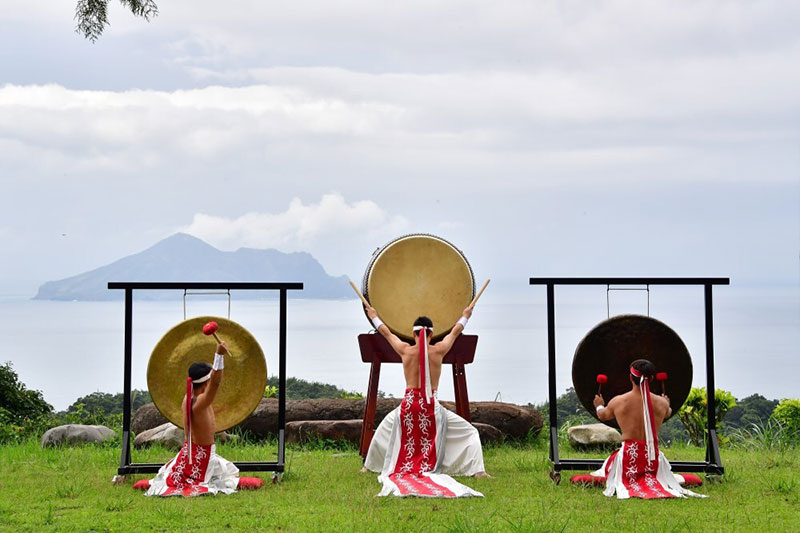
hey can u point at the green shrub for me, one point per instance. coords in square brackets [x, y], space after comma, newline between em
[788, 413]
[694, 412]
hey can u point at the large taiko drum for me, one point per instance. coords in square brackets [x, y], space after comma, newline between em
[610, 348]
[242, 384]
[419, 275]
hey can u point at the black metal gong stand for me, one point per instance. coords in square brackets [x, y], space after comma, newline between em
[713, 462]
[125, 464]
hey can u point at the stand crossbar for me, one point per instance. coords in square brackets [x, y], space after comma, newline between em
[125, 464]
[713, 462]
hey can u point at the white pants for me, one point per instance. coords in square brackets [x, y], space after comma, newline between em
[461, 453]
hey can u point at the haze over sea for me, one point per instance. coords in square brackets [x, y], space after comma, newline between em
[70, 349]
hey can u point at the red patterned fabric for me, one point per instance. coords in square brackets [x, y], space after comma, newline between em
[184, 478]
[639, 476]
[417, 448]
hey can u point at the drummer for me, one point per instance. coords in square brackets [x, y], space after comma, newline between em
[420, 442]
[638, 469]
[197, 469]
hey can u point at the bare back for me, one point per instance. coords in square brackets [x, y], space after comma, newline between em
[203, 423]
[410, 357]
[627, 409]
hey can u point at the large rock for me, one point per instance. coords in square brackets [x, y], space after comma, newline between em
[305, 430]
[168, 435]
[489, 434]
[513, 421]
[593, 436]
[76, 434]
[147, 417]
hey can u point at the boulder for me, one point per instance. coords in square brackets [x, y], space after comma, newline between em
[593, 436]
[305, 430]
[76, 434]
[147, 417]
[168, 435]
[513, 421]
[489, 434]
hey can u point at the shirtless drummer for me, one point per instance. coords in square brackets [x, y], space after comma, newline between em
[419, 443]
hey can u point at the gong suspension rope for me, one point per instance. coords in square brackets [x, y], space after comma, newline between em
[609, 288]
[217, 293]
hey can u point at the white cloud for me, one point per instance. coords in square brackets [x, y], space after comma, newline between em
[319, 228]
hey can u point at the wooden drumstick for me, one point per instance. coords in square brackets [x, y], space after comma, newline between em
[475, 300]
[366, 303]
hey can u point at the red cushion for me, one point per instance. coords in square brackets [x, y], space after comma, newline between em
[250, 483]
[586, 479]
[690, 480]
[142, 484]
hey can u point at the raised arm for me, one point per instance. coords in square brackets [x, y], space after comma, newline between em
[206, 398]
[604, 412]
[445, 344]
[395, 342]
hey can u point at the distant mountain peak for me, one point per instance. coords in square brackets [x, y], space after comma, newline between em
[184, 257]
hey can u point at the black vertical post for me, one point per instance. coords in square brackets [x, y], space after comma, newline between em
[125, 458]
[712, 446]
[551, 374]
[282, 381]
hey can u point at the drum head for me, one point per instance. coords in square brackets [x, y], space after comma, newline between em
[242, 384]
[614, 344]
[419, 275]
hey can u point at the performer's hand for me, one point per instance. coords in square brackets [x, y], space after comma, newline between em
[598, 400]
[468, 312]
[222, 348]
[371, 312]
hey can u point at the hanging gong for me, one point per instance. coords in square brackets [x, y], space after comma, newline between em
[242, 384]
[614, 344]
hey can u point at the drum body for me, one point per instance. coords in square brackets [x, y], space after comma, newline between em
[243, 381]
[419, 275]
[610, 348]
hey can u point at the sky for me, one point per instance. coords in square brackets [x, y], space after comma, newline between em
[543, 138]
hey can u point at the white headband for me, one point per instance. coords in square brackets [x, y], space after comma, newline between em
[202, 380]
[417, 328]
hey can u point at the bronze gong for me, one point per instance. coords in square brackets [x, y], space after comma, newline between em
[417, 275]
[242, 384]
[610, 348]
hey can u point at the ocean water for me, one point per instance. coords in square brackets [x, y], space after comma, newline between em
[70, 349]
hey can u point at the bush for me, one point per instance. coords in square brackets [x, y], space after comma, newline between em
[788, 413]
[110, 404]
[19, 403]
[694, 412]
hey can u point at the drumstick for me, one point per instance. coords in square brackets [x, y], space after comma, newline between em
[366, 303]
[475, 300]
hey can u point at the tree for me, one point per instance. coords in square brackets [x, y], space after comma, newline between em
[92, 15]
[109, 404]
[754, 409]
[17, 403]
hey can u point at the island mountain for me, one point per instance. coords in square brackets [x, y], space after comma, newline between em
[182, 257]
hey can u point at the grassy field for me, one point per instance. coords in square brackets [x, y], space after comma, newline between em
[69, 489]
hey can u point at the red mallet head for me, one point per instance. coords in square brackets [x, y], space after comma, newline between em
[601, 378]
[210, 328]
[662, 377]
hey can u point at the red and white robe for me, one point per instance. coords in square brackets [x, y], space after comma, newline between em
[208, 473]
[631, 475]
[415, 452]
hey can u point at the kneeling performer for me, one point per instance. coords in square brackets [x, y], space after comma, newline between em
[419, 443]
[638, 469]
[197, 469]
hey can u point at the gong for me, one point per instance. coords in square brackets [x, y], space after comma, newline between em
[419, 275]
[614, 344]
[243, 381]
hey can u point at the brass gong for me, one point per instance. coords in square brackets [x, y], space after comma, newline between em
[417, 275]
[614, 344]
[242, 384]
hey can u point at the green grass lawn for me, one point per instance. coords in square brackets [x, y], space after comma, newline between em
[323, 490]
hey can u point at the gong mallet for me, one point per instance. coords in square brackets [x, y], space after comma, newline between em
[475, 300]
[601, 379]
[211, 329]
[662, 377]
